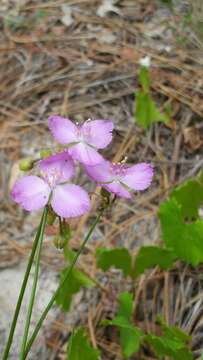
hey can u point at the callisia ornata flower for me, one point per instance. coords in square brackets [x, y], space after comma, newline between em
[83, 140]
[120, 178]
[67, 200]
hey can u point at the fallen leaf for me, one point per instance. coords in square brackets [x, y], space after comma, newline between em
[67, 18]
[107, 6]
[192, 138]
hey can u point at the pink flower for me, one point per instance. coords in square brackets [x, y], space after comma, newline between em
[67, 200]
[121, 178]
[82, 140]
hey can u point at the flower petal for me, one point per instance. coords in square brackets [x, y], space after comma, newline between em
[70, 200]
[62, 129]
[117, 189]
[57, 168]
[85, 154]
[138, 177]
[31, 193]
[101, 172]
[98, 132]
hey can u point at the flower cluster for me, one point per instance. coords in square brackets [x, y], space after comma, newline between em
[80, 143]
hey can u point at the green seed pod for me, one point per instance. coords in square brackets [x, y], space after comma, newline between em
[59, 242]
[26, 164]
[44, 153]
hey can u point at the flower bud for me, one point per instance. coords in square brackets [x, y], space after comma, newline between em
[26, 164]
[105, 199]
[51, 217]
[60, 242]
[44, 153]
[66, 230]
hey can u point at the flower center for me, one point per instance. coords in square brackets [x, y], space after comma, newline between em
[83, 133]
[52, 176]
[118, 170]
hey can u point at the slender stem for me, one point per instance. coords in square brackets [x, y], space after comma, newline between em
[51, 302]
[34, 285]
[21, 294]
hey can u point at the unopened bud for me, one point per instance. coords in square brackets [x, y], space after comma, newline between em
[51, 217]
[44, 153]
[26, 164]
[105, 199]
[60, 242]
[66, 231]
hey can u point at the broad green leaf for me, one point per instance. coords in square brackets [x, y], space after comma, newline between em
[75, 281]
[119, 258]
[186, 240]
[172, 343]
[146, 111]
[130, 336]
[79, 347]
[173, 331]
[125, 305]
[163, 346]
[150, 256]
[190, 196]
[144, 78]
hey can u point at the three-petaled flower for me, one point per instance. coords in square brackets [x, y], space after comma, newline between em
[121, 178]
[82, 140]
[34, 192]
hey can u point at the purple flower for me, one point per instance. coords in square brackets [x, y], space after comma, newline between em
[82, 140]
[34, 192]
[120, 178]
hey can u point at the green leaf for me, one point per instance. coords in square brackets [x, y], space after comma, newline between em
[164, 346]
[172, 343]
[144, 78]
[173, 331]
[146, 111]
[125, 305]
[76, 280]
[190, 196]
[186, 240]
[130, 336]
[150, 256]
[79, 347]
[119, 258]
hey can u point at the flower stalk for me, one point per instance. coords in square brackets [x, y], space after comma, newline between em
[34, 285]
[52, 300]
[23, 288]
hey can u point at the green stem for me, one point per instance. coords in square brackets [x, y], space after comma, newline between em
[22, 291]
[51, 302]
[34, 285]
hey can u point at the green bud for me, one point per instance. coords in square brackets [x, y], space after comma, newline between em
[105, 193]
[66, 231]
[60, 242]
[51, 217]
[26, 164]
[105, 199]
[44, 153]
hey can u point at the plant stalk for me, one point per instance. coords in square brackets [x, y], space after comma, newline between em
[22, 291]
[34, 285]
[51, 302]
